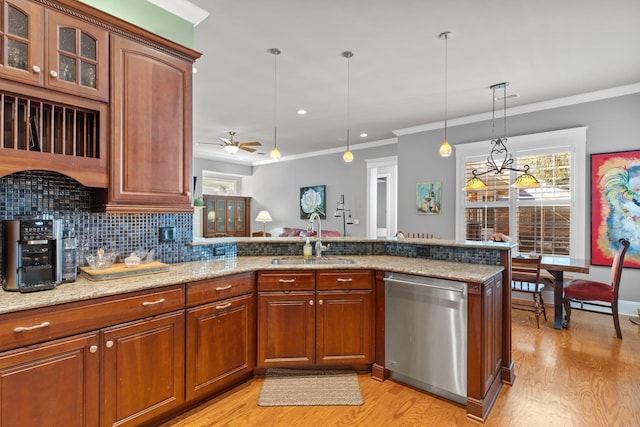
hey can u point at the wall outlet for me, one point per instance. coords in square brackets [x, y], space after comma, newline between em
[167, 234]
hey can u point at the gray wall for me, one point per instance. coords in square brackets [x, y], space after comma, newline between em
[613, 125]
[276, 188]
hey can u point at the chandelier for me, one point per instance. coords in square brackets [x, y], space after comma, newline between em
[500, 159]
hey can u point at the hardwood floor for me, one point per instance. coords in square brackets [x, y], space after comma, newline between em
[583, 376]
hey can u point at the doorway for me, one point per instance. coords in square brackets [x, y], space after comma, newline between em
[382, 188]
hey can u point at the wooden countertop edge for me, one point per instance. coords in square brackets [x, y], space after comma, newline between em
[84, 289]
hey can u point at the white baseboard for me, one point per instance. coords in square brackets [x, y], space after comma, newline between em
[627, 308]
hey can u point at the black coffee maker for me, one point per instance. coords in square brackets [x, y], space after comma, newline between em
[33, 254]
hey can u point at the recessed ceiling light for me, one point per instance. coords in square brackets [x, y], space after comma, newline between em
[363, 135]
[302, 111]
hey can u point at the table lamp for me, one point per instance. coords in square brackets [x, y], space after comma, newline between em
[263, 217]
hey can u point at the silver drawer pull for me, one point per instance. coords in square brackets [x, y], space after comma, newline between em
[287, 280]
[31, 328]
[159, 301]
[223, 306]
[223, 288]
[340, 279]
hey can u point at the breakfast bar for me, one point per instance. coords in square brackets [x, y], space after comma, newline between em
[97, 308]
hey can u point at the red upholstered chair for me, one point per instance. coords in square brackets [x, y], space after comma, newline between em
[587, 292]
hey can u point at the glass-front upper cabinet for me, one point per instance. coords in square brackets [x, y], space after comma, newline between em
[22, 53]
[78, 56]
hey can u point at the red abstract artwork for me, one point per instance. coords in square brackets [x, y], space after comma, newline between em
[615, 206]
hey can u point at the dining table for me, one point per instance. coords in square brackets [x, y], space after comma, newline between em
[556, 266]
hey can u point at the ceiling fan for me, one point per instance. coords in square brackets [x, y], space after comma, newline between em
[232, 146]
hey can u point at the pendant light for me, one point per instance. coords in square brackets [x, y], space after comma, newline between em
[348, 155]
[275, 153]
[445, 148]
[500, 160]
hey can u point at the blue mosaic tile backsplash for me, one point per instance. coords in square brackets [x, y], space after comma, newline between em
[44, 194]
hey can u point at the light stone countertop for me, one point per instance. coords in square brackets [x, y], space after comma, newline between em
[84, 289]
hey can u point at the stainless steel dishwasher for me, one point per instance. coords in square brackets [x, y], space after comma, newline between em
[426, 334]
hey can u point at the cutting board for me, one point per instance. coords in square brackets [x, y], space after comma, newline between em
[121, 270]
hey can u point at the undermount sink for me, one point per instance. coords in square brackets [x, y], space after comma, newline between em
[311, 261]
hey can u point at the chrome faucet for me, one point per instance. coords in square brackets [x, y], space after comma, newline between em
[319, 247]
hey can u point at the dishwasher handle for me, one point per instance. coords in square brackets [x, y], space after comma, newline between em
[443, 288]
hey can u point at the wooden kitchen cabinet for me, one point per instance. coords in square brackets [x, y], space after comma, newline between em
[117, 359]
[227, 216]
[55, 383]
[72, 56]
[344, 318]
[151, 129]
[299, 326]
[22, 41]
[485, 337]
[77, 56]
[142, 369]
[221, 333]
[492, 331]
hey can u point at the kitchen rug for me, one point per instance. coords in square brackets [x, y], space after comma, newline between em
[301, 387]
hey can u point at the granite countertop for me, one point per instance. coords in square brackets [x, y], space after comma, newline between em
[84, 289]
[356, 239]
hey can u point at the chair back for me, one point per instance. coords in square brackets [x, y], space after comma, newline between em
[526, 270]
[616, 266]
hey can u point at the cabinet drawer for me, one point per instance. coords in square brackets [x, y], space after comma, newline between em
[32, 326]
[286, 281]
[205, 291]
[344, 279]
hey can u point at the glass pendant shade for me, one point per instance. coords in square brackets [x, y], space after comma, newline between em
[445, 149]
[347, 156]
[526, 180]
[475, 184]
[275, 154]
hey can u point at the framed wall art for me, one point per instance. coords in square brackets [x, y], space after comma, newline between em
[615, 206]
[428, 197]
[313, 199]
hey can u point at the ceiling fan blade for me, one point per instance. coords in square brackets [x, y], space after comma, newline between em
[249, 149]
[225, 140]
[249, 144]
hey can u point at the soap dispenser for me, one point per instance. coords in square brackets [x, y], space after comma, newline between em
[307, 248]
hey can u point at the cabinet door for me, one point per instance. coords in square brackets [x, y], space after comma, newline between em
[220, 344]
[344, 327]
[52, 384]
[286, 328]
[491, 333]
[151, 129]
[142, 370]
[21, 47]
[77, 56]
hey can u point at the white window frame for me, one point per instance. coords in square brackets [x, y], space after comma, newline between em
[573, 140]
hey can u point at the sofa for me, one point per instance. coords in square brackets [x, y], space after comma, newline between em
[301, 232]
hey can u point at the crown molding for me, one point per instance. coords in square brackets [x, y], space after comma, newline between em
[183, 9]
[528, 108]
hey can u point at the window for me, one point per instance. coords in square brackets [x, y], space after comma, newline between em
[549, 220]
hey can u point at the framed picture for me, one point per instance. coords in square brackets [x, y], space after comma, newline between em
[428, 197]
[313, 199]
[615, 207]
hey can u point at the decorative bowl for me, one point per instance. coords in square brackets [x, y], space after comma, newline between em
[105, 261]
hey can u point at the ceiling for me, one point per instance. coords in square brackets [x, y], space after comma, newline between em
[545, 49]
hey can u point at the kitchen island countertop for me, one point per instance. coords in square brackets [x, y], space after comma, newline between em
[84, 289]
